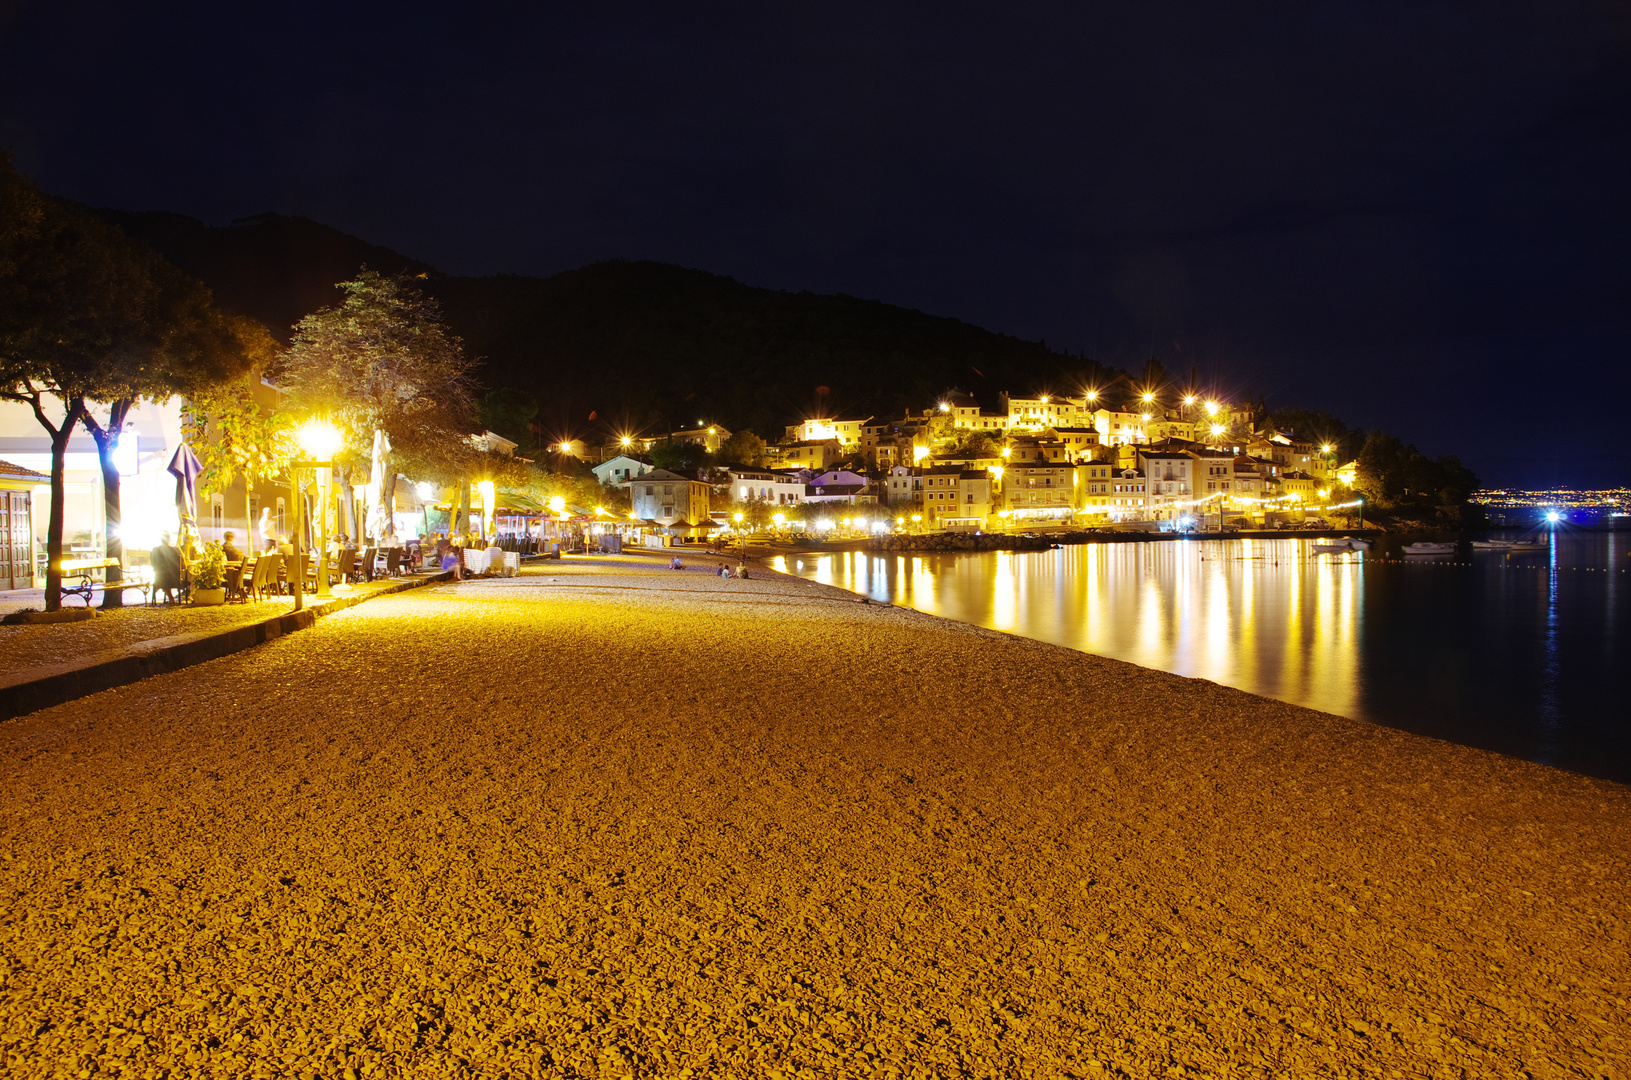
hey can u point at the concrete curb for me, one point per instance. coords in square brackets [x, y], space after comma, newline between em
[29, 691]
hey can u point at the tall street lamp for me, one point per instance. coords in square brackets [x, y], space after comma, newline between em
[320, 440]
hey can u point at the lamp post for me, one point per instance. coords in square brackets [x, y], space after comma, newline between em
[741, 539]
[319, 440]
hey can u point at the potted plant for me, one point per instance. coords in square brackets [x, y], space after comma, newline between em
[209, 572]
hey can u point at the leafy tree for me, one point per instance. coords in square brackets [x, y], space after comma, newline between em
[681, 457]
[88, 316]
[383, 360]
[509, 412]
[234, 432]
[193, 349]
[743, 448]
[1395, 474]
[975, 444]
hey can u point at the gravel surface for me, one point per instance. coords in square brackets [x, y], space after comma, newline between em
[610, 820]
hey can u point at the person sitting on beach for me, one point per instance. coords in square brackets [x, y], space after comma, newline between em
[676, 564]
[229, 549]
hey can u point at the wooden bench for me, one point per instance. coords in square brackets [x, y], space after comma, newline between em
[87, 586]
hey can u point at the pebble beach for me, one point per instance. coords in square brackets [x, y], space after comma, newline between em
[606, 819]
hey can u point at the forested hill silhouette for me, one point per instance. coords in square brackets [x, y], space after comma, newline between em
[640, 345]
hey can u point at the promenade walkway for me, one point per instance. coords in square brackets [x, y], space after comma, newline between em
[607, 819]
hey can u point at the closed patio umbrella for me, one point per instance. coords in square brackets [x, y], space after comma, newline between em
[185, 468]
[376, 487]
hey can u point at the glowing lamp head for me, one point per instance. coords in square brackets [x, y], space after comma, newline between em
[944, 407]
[1553, 517]
[1189, 400]
[1211, 408]
[319, 439]
[557, 504]
[627, 441]
[1217, 429]
[737, 517]
[1148, 397]
[780, 519]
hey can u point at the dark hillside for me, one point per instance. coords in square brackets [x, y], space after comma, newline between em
[642, 344]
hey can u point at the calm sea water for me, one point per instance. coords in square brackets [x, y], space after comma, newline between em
[1529, 655]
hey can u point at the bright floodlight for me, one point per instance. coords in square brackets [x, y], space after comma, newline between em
[780, 519]
[1553, 516]
[1211, 408]
[627, 441]
[1217, 429]
[1092, 395]
[1327, 448]
[1149, 396]
[1189, 400]
[319, 439]
[738, 516]
[944, 407]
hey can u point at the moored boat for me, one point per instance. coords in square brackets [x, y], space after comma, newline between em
[1426, 548]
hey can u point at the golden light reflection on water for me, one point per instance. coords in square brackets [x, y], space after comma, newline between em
[1262, 615]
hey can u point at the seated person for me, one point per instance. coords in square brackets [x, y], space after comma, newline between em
[230, 549]
[285, 548]
[448, 558]
[165, 559]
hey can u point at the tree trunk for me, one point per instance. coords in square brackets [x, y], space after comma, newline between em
[464, 503]
[387, 498]
[53, 530]
[107, 440]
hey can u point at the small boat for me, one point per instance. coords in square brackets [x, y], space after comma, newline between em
[1356, 543]
[1425, 548]
[1511, 546]
[1331, 547]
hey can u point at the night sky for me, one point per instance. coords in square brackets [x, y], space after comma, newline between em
[1414, 215]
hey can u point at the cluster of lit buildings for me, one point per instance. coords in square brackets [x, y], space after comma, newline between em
[1511, 506]
[1086, 459]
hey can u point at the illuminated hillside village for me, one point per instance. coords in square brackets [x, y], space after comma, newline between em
[1046, 460]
